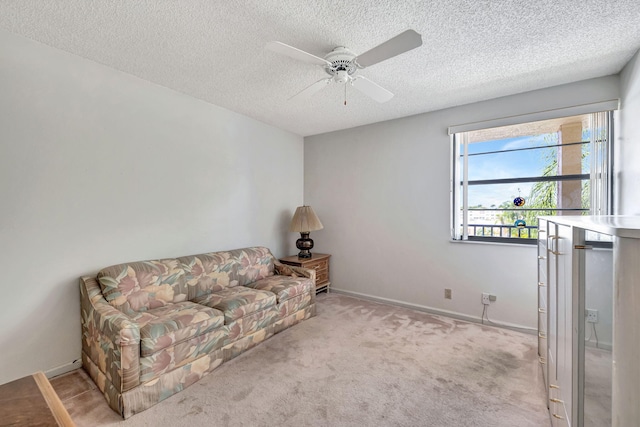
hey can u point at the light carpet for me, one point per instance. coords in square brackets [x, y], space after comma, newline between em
[359, 363]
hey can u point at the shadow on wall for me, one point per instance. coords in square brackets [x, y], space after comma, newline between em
[288, 238]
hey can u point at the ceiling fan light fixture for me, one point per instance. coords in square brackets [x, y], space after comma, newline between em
[341, 77]
[342, 64]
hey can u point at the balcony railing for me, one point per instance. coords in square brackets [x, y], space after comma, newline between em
[504, 231]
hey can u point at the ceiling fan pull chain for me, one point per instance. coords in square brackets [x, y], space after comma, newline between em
[345, 94]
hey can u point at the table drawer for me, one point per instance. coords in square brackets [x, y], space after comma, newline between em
[322, 263]
[321, 268]
[322, 276]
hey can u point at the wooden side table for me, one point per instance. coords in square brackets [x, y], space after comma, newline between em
[318, 262]
[31, 401]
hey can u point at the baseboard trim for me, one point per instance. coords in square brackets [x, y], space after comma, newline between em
[63, 369]
[431, 310]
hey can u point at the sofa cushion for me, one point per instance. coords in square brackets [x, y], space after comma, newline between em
[285, 287]
[139, 286]
[211, 272]
[238, 301]
[182, 353]
[254, 264]
[167, 326]
[293, 305]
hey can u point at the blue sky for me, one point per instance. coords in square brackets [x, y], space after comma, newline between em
[506, 165]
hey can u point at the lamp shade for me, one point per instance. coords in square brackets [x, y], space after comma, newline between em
[305, 220]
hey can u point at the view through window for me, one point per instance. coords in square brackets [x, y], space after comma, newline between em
[505, 177]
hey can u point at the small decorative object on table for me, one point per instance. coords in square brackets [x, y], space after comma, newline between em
[317, 262]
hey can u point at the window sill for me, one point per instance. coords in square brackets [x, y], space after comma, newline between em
[487, 242]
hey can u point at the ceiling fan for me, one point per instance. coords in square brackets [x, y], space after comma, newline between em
[342, 65]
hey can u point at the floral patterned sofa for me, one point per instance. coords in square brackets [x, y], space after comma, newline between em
[152, 328]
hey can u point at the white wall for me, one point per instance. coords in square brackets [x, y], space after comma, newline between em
[382, 193]
[628, 140]
[599, 295]
[98, 167]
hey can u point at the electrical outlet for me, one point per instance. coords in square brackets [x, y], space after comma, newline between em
[592, 315]
[447, 293]
[485, 298]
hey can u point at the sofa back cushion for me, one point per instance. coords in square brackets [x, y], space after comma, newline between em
[255, 264]
[139, 286]
[211, 272]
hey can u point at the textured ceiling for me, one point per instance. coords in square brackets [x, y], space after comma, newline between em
[214, 49]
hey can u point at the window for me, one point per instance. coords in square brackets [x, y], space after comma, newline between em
[504, 177]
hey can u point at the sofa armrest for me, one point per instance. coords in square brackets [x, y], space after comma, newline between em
[109, 337]
[291, 270]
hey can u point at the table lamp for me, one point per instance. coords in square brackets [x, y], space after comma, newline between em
[305, 221]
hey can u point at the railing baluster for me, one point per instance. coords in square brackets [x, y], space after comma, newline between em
[502, 231]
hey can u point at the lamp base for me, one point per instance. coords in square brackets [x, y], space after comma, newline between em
[304, 243]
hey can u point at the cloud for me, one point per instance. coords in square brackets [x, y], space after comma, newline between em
[530, 141]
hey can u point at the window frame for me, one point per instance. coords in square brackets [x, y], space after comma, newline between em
[600, 171]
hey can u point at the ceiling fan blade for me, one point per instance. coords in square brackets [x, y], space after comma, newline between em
[371, 89]
[401, 43]
[295, 53]
[307, 92]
